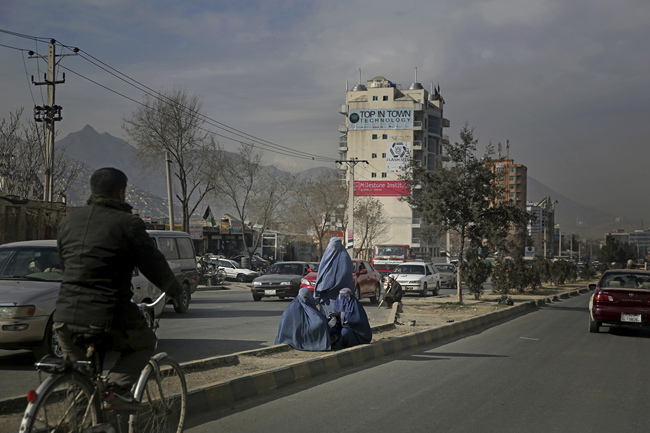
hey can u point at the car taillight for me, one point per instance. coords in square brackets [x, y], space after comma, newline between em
[604, 297]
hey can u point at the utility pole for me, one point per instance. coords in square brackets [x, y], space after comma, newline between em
[350, 232]
[49, 114]
[170, 195]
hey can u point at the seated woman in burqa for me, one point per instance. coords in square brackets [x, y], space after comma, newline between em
[352, 327]
[334, 273]
[303, 326]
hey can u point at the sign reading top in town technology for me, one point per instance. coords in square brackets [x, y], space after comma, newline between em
[398, 154]
[388, 118]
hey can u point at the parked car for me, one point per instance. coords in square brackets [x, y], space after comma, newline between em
[257, 263]
[234, 270]
[417, 277]
[447, 274]
[620, 298]
[282, 279]
[367, 281]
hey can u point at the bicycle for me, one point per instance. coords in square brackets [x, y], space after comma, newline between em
[218, 278]
[70, 399]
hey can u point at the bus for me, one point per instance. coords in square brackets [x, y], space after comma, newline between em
[386, 257]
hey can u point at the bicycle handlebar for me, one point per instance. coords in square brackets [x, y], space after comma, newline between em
[153, 304]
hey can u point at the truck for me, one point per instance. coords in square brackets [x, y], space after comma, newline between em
[386, 257]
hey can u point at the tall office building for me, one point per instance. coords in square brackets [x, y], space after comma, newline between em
[387, 125]
[513, 179]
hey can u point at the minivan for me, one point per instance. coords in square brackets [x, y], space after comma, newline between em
[179, 252]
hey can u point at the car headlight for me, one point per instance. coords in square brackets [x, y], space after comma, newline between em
[17, 312]
[286, 283]
[257, 283]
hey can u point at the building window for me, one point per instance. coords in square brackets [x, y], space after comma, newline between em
[374, 155]
[383, 155]
[384, 136]
[373, 175]
[512, 178]
[383, 175]
[385, 98]
[374, 136]
[374, 98]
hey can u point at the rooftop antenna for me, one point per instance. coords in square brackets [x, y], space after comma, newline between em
[359, 75]
[507, 149]
[416, 74]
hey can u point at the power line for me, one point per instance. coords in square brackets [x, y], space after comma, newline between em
[255, 141]
[267, 145]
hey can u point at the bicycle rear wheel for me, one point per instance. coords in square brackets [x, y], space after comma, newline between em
[163, 394]
[64, 403]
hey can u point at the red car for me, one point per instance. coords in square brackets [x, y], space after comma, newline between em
[367, 281]
[621, 298]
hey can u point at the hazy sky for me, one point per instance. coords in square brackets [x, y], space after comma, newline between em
[566, 81]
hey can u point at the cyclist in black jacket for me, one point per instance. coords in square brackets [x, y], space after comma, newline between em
[99, 246]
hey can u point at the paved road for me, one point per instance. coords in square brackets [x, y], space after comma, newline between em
[219, 322]
[542, 372]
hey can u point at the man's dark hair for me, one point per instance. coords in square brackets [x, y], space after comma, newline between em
[107, 181]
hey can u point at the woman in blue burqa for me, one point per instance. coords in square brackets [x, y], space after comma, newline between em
[334, 273]
[352, 327]
[302, 326]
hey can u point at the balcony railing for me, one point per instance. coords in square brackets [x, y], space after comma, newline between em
[417, 125]
[343, 128]
[343, 109]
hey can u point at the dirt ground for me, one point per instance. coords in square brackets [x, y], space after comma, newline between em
[414, 314]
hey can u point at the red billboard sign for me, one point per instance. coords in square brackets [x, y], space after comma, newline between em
[381, 188]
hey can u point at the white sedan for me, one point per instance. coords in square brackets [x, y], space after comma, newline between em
[417, 277]
[234, 270]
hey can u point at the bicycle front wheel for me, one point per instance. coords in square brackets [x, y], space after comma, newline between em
[64, 403]
[162, 392]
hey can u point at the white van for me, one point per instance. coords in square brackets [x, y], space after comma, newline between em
[179, 252]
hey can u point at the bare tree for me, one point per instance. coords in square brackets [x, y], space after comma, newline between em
[22, 159]
[317, 204]
[172, 124]
[369, 224]
[253, 190]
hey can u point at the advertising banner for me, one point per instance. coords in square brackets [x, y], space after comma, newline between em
[398, 154]
[389, 118]
[387, 188]
[225, 227]
[236, 228]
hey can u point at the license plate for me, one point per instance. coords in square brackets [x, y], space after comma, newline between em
[271, 292]
[636, 318]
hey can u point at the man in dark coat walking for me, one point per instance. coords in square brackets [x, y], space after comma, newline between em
[99, 247]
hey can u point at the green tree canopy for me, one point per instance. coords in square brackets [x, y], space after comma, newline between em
[460, 196]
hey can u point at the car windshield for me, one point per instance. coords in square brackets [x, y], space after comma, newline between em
[286, 269]
[40, 263]
[410, 269]
[445, 268]
[627, 281]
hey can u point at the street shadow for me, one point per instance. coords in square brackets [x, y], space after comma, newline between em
[559, 307]
[18, 361]
[216, 314]
[448, 356]
[183, 349]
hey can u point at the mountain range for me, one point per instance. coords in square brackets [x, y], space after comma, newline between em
[148, 186]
